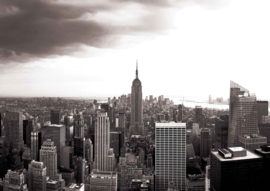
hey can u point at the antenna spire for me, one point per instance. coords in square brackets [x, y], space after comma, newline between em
[137, 69]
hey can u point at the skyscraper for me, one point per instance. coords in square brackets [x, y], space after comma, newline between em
[56, 133]
[136, 125]
[199, 116]
[36, 176]
[102, 141]
[55, 117]
[235, 169]
[221, 132]
[243, 114]
[170, 155]
[262, 110]
[205, 142]
[36, 141]
[79, 140]
[14, 130]
[48, 156]
[28, 127]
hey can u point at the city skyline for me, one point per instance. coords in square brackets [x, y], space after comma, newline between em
[207, 39]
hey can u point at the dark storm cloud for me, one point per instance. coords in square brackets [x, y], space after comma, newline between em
[41, 28]
[37, 29]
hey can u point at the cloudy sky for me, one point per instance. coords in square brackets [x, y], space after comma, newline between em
[185, 48]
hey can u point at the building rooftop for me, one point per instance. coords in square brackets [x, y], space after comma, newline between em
[249, 155]
[73, 185]
[170, 124]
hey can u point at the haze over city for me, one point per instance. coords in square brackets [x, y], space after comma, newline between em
[184, 48]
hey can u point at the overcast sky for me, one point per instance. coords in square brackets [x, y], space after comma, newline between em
[185, 48]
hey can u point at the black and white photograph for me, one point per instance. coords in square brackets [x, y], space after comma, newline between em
[134, 95]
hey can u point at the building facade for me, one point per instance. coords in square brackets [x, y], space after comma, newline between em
[102, 141]
[170, 155]
[57, 134]
[221, 131]
[243, 119]
[48, 156]
[235, 168]
[205, 142]
[55, 117]
[36, 176]
[14, 130]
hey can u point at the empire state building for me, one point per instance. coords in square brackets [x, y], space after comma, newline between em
[136, 126]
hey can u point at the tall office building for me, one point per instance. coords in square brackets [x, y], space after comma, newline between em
[235, 168]
[205, 142]
[28, 127]
[14, 130]
[199, 116]
[26, 157]
[48, 156]
[262, 110]
[55, 117]
[136, 125]
[102, 141]
[36, 176]
[36, 141]
[243, 119]
[79, 140]
[221, 132]
[79, 165]
[56, 133]
[170, 155]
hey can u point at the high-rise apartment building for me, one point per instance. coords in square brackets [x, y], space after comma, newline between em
[55, 117]
[14, 130]
[102, 141]
[243, 119]
[205, 142]
[136, 125]
[48, 156]
[236, 169]
[56, 133]
[36, 176]
[170, 155]
[262, 110]
[221, 132]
